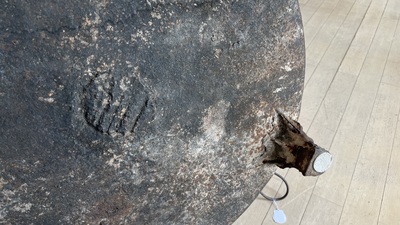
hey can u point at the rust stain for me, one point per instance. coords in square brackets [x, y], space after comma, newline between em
[288, 145]
[111, 209]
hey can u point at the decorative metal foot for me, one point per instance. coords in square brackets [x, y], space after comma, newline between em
[288, 146]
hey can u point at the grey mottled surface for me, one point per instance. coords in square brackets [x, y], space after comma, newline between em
[141, 112]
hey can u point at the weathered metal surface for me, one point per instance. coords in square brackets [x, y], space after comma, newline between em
[141, 112]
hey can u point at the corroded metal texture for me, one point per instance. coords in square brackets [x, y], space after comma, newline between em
[141, 112]
[287, 146]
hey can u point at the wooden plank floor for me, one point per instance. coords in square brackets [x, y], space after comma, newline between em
[351, 106]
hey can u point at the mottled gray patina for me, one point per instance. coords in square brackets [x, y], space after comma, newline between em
[141, 112]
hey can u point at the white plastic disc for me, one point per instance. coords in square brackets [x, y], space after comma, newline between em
[323, 162]
[279, 216]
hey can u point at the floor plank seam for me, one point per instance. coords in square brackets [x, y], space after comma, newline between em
[388, 166]
[317, 8]
[322, 24]
[394, 135]
[390, 84]
[374, 102]
[330, 43]
[328, 200]
[297, 196]
[266, 212]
